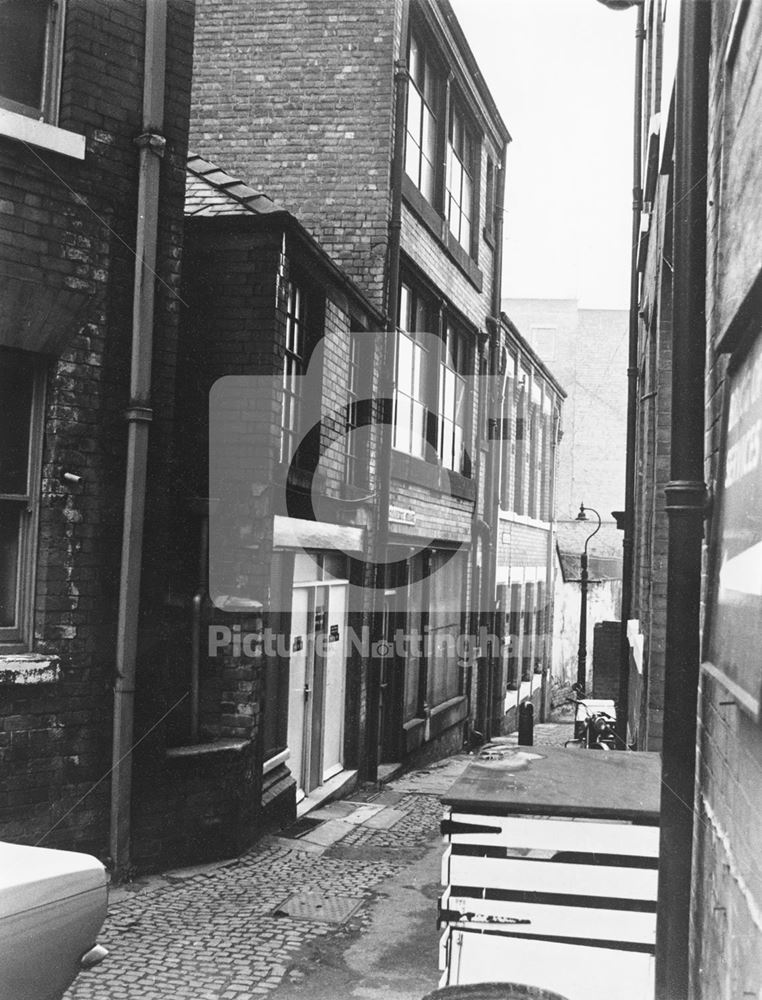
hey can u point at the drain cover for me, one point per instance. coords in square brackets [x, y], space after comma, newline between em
[302, 826]
[317, 906]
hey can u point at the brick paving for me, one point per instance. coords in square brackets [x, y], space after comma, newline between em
[214, 934]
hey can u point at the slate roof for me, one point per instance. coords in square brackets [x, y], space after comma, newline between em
[210, 191]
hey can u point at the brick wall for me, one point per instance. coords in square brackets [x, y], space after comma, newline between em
[726, 937]
[69, 226]
[297, 98]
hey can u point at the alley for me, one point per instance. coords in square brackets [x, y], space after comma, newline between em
[342, 904]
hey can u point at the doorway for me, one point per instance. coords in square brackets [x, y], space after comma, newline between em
[317, 684]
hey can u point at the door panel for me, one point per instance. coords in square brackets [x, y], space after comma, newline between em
[335, 682]
[299, 701]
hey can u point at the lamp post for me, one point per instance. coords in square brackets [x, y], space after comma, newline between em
[632, 369]
[582, 653]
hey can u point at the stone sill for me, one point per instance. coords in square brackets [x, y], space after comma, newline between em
[207, 749]
[29, 668]
[42, 135]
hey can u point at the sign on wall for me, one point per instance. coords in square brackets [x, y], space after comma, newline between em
[735, 623]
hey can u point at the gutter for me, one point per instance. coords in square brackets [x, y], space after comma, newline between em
[628, 541]
[151, 144]
[685, 505]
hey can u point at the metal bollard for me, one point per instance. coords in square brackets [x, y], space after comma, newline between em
[526, 724]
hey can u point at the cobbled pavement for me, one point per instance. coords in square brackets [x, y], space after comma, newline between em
[212, 934]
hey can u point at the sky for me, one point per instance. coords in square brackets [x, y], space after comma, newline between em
[561, 73]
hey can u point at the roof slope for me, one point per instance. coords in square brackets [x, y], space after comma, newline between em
[210, 191]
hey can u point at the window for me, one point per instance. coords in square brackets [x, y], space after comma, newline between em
[31, 48]
[453, 401]
[293, 369]
[459, 184]
[21, 393]
[521, 458]
[412, 373]
[445, 626]
[489, 204]
[421, 131]
[357, 430]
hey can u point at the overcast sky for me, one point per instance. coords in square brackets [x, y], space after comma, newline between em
[561, 73]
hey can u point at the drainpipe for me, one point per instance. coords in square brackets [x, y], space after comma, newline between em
[386, 387]
[685, 500]
[493, 472]
[547, 673]
[151, 143]
[628, 541]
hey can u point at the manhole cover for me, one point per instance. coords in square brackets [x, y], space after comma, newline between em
[317, 906]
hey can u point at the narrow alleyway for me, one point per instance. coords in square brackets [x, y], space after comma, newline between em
[342, 904]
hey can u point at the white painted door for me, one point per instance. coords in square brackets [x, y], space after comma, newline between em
[299, 695]
[335, 682]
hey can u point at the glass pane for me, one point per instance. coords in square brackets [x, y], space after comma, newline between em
[418, 441]
[430, 84]
[422, 323]
[404, 313]
[405, 365]
[417, 386]
[15, 414]
[414, 59]
[445, 448]
[427, 179]
[22, 50]
[412, 159]
[414, 114]
[465, 232]
[402, 424]
[10, 527]
[457, 447]
[466, 198]
[429, 135]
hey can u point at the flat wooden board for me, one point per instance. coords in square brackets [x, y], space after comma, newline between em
[556, 781]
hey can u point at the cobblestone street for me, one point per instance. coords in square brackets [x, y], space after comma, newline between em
[239, 929]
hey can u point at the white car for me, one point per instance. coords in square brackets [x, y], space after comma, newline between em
[52, 906]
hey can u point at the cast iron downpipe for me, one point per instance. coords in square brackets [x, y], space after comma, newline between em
[386, 391]
[685, 502]
[628, 541]
[151, 143]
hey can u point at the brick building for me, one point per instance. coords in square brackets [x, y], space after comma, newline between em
[84, 174]
[695, 678]
[372, 125]
[526, 544]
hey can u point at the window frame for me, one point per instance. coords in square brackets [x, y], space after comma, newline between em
[18, 638]
[52, 68]
[458, 367]
[359, 368]
[461, 148]
[295, 357]
[427, 86]
[419, 301]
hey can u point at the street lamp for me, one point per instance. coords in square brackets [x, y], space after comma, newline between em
[582, 653]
